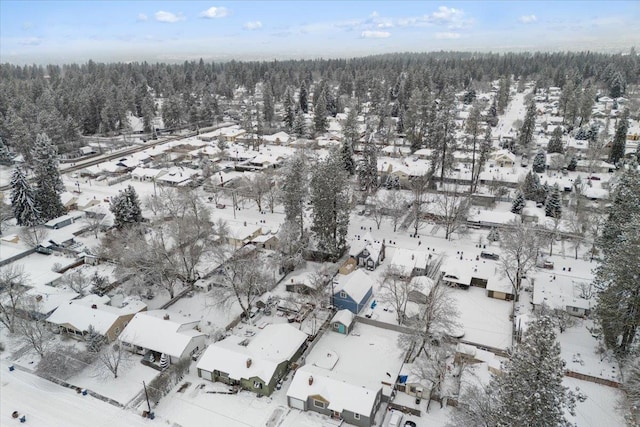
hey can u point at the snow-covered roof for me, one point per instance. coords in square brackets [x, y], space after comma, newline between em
[340, 395]
[356, 284]
[560, 293]
[150, 330]
[406, 260]
[275, 344]
[374, 247]
[343, 316]
[142, 173]
[48, 298]
[422, 284]
[80, 314]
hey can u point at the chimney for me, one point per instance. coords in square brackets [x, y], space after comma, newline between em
[95, 307]
[412, 257]
[166, 317]
[310, 380]
[248, 363]
[38, 298]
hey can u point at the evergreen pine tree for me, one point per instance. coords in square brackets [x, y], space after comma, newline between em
[23, 202]
[47, 177]
[368, 167]
[553, 206]
[531, 186]
[330, 203]
[289, 108]
[492, 116]
[300, 125]
[493, 235]
[347, 157]
[126, 208]
[620, 138]
[539, 162]
[617, 282]
[555, 144]
[295, 190]
[625, 203]
[525, 138]
[304, 98]
[320, 114]
[530, 392]
[5, 156]
[518, 203]
[267, 109]
[573, 164]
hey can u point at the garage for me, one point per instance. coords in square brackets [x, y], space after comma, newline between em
[296, 403]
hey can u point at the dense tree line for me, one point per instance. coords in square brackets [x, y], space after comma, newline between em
[66, 101]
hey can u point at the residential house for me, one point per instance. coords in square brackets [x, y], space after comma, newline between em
[311, 390]
[504, 158]
[343, 321]
[157, 332]
[500, 288]
[255, 364]
[562, 293]
[410, 262]
[76, 317]
[240, 235]
[266, 241]
[420, 289]
[352, 292]
[177, 176]
[367, 252]
[64, 220]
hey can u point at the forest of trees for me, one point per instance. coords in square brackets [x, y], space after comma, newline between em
[95, 98]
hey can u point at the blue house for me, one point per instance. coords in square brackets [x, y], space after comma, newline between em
[352, 291]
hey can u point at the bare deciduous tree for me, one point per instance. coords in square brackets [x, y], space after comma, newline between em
[419, 187]
[243, 280]
[452, 209]
[13, 283]
[113, 357]
[520, 246]
[34, 236]
[396, 288]
[35, 333]
[393, 205]
[437, 318]
[168, 253]
[77, 281]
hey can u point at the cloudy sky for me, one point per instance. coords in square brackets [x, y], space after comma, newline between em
[57, 31]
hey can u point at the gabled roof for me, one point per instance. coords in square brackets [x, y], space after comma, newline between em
[356, 284]
[150, 330]
[343, 316]
[275, 344]
[81, 315]
[340, 395]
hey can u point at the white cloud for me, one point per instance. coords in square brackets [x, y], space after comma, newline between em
[30, 41]
[375, 34]
[447, 36]
[142, 17]
[253, 25]
[162, 16]
[528, 19]
[214, 12]
[449, 17]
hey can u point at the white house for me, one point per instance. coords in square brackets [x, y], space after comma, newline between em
[312, 390]
[161, 332]
[256, 364]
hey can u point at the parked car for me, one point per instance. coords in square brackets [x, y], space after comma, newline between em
[489, 255]
[409, 423]
[395, 419]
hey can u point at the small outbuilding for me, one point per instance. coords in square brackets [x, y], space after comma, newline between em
[343, 322]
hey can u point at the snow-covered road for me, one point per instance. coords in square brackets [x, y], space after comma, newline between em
[49, 405]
